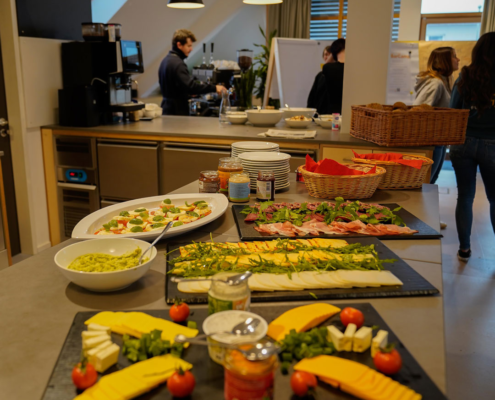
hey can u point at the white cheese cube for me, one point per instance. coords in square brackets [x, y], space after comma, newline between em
[379, 341]
[96, 327]
[336, 336]
[362, 339]
[348, 337]
[91, 342]
[91, 352]
[105, 358]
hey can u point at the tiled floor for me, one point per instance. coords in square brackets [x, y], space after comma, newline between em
[469, 295]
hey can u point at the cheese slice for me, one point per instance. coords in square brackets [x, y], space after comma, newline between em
[91, 352]
[379, 341]
[106, 357]
[348, 337]
[336, 337]
[99, 328]
[362, 339]
[95, 341]
[92, 334]
[255, 285]
[284, 282]
[301, 319]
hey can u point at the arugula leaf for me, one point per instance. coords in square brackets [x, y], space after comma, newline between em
[264, 205]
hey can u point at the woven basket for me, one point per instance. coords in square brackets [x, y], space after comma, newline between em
[346, 186]
[400, 176]
[438, 127]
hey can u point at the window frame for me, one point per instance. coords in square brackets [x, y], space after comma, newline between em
[447, 18]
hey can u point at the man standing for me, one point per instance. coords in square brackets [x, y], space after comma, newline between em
[175, 82]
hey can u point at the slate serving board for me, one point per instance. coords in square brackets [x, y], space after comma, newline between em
[413, 283]
[247, 232]
[209, 375]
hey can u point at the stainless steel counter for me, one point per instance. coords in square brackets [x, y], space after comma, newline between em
[38, 304]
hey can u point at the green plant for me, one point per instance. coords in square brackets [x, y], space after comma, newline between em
[262, 60]
[244, 88]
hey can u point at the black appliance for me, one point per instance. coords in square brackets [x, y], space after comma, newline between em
[97, 78]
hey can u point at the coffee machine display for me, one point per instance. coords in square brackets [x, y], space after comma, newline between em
[97, 81]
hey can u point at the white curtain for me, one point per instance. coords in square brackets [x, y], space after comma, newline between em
[488, 17]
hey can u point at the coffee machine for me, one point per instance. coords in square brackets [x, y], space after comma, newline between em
[97, 81]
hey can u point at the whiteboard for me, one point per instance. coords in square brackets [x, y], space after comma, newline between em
[294, 70]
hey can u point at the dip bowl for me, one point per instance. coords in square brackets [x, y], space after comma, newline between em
[225, 321]
[104, 281]
[295, 111]
[264, 117]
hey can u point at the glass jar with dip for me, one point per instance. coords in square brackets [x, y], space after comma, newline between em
[226, 166]
[265, 186]
[209, 182]
[248, 380]
[239, 188]
[224, 322]
[223, 297]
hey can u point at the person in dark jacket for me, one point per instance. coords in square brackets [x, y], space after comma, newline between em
[475, 91]
[176, 84]
[326, 93]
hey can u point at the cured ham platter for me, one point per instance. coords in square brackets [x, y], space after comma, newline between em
[335, 219]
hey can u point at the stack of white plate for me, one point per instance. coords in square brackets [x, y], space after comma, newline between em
[248, 147]
[256, 161]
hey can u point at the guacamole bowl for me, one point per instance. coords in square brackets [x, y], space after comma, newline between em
[102, 279]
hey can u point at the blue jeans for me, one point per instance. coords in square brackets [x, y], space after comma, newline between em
[466, 159]
[438, 159]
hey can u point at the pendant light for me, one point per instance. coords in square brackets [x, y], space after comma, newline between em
[262, 2]
[188, 4]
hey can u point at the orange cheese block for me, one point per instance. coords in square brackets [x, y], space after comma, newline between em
[356, 379]
[301, 319]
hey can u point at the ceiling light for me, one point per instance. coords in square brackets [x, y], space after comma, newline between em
[185, 4]
[262, 2]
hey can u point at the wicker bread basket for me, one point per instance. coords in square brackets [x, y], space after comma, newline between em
[400, 176]
[437, 127]
[346, 186]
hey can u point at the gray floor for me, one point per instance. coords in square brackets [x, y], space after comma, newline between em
[469, 290]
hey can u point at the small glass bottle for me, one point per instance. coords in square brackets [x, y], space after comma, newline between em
[203, 64]
[265, 186]
[209, 182]
[239, 188]
[224, 297]
[248, 380]
[336, 122]
[224, 108]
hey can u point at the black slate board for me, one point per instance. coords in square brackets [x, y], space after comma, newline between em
[413, 283]
[209, 375]
[247, 232]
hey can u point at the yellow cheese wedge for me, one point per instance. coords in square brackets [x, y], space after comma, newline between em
[355, 378]
[301, 319]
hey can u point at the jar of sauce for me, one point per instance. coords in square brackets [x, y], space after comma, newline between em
[224, 297]
[265, 186]
[239, 188]
[299, 175]
[226, 166]
[209, 182]
[248, 380]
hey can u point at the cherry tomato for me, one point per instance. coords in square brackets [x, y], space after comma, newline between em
[84, 375]
[388, 361]
[301, 382]
[179, 311]
[181, 383]
[350, 315]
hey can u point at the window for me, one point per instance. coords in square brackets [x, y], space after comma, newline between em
[329, 19]
[451, 19]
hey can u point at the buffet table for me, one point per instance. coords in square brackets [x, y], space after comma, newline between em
[39, 304]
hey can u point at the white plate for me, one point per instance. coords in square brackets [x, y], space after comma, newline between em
[86, 228]
[254, 146]
[264, 156]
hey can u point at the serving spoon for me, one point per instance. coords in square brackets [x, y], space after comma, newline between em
[231, 280]
[287, 106]
[155, 241]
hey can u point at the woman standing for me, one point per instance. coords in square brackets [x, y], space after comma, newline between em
[433, 88]
[474, 91]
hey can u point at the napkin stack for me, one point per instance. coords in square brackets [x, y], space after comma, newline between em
[332, 167]
[395, 157]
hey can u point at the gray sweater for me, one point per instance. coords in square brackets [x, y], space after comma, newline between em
[433, 91]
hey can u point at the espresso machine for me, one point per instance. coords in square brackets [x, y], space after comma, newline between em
[97, 81]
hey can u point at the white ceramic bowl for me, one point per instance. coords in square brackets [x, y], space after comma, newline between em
[225, 321]
[298, 124]
[104, 281]
[327, 124]
[237, 119]
[324, 116]
[264, 117]
[295, 111]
